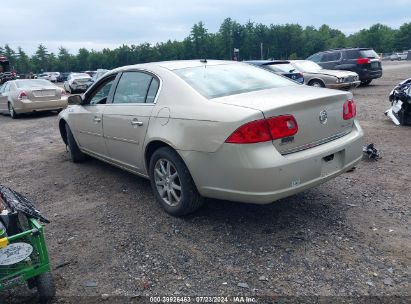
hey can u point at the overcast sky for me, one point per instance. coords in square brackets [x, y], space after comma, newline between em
[96, 24]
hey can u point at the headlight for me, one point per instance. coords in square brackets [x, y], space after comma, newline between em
[340, 80]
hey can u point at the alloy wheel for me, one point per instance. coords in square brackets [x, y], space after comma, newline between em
[167, 182]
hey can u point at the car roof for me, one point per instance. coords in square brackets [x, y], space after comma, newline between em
[175, 64]
[346, 49]
[79, 74]
[267, 62]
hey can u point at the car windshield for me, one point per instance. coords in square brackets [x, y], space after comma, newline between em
[33, 83]
[282, 67]
[307, 66]
[230, 79]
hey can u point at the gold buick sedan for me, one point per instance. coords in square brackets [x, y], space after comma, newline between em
[217, 129]
[30, 95]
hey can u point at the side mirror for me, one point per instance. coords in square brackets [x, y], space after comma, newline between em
[75, 100]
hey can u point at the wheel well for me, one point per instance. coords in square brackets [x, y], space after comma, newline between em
[151, 148]
[316, 79]
[63, 133]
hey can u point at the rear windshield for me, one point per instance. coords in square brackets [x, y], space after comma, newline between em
[230, 79]
[283, 67]
[368, 54]
[354, 54]
[33, 83]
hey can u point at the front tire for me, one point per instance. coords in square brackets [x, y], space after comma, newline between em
[76, 155]
[172, 184]
[316, 83]
[45, 287]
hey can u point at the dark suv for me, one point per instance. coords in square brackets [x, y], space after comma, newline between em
[364, 61]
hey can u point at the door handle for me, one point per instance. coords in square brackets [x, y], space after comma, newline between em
[97, 119]
[136, 122]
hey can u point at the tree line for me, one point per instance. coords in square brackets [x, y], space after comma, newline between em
[253, 40]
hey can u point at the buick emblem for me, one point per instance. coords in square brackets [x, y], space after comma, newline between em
[323, 117]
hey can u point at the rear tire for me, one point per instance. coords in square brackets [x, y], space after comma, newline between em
[45, 287]
[316, 83]
[12, 113]
[76, 155]
[366, 82]
[172, 184]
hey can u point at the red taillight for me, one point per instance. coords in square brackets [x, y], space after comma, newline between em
[282, 126]
[63, 92]
[363, 60]
[252, 132]
[22, 95]
[349, 109]
[264, 130]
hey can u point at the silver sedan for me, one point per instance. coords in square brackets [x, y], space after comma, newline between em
[217, 129]
[316, 76]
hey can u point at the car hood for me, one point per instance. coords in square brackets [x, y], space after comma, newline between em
[336, 73]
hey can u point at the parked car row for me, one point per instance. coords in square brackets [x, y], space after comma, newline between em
[335, 69]
[363, 61]
[310, 73]
[51, 76]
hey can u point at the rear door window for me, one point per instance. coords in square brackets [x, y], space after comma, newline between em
[332, 56]
[152, 91]
[352, 54]
[133, 88]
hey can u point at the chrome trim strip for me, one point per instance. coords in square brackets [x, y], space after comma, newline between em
[316, 143]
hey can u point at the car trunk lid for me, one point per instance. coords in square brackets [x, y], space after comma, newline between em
[82, 80]
[43, 94]
[318, 112]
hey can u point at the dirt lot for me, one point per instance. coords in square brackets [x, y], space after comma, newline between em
[349, 236]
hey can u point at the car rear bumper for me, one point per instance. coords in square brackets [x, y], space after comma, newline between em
[258, 174]
[27, 106]
[369, 74]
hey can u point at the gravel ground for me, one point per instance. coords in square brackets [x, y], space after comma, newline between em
[347, 237]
